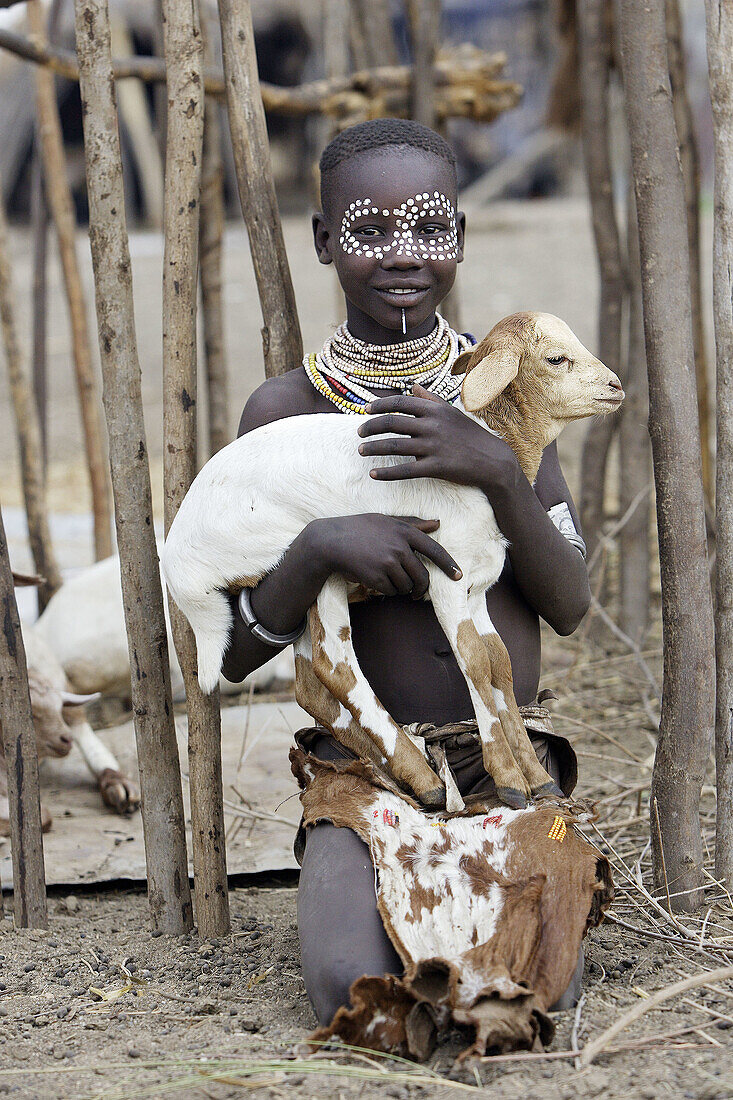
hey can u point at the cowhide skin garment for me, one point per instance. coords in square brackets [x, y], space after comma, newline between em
[486, 909]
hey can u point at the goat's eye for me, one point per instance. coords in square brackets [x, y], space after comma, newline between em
[556, 360]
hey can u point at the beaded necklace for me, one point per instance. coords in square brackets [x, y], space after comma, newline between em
[345, 366]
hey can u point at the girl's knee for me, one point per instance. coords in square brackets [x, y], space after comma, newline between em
[341, 932]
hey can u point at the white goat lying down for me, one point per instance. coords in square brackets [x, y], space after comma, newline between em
[525, 381]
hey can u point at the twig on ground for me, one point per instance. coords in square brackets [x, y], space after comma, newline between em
[591, 1050]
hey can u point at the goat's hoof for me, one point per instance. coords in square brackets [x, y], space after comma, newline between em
[511, 797]
[548, 790]
[434, 800]
[118, 792]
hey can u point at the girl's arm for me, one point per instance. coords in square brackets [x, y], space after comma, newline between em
[549, 571]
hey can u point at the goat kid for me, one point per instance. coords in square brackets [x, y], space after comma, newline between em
[525, 381]
[59, 722]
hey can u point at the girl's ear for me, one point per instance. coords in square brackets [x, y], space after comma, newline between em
[322, 239]
[461, 227]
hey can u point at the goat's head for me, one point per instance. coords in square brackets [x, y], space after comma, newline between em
[48, 704]
[533, 364]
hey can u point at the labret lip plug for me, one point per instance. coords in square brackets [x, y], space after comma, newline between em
[404, 324]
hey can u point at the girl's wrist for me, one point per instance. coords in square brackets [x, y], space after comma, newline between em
[499, 476]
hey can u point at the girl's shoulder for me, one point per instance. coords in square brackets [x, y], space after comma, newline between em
[289, 394]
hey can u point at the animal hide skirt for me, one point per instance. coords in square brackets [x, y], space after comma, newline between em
[486, 907]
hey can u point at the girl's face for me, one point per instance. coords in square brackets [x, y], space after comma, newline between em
[394, 236]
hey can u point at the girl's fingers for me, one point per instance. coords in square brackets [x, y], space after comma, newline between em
[398, 403]
[401, 472]
[419, 575]
[393, 422]
[391, 446]
[431, 549]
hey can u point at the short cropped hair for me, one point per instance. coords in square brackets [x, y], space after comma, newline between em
[381, 133]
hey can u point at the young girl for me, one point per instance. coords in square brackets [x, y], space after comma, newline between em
[390, 226]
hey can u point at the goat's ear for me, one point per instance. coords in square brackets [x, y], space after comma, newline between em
[461, 364]
[488, 379]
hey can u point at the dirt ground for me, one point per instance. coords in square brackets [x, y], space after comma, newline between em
[97, 1007]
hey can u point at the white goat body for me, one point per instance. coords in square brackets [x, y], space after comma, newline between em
[255, 496]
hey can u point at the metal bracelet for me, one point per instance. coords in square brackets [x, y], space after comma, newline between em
[264, 635]
[563, 520]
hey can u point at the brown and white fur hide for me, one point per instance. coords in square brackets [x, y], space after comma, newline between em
[486, 911]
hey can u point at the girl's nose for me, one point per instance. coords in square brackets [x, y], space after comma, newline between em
[401, 259]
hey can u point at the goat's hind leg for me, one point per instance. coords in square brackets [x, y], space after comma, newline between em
[502, 684]
[450, 601]
[335, 665]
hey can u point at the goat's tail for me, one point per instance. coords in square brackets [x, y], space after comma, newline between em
[212, 626]
[210, 618]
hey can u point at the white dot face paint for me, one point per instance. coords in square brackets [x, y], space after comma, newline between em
[441, 243]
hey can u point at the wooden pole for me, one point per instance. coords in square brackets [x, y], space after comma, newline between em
[281, 340]
[160, 779]
[211, 239]
[137, 125]
[184, 148]
[690, 160]
[39, 293]
[39, 235]
[594, 48]
[720, 66]
[688, 692]
[635, 467]
[424, 20]
[21, 760]
[372, 22]
[61, 206]
[27, 426]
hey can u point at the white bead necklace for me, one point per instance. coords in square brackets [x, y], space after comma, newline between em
[346, 367]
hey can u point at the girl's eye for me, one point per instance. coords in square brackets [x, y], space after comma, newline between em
[368, 231]
[556, 360]
[433, 230]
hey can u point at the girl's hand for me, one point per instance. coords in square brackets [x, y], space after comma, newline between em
[380, 552]
[444, 442]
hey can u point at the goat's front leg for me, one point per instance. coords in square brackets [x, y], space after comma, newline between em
[502, 683]
[450, 601]
[335, 665]
[118, 791]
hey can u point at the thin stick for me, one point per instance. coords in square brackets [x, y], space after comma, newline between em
[184, 144]
[591, 1050]
[633, 646]
[162, 803]
[27, 426]
[466, 87]
[661, 851]
[665, 938]
[211, 237]
[18, 741]
[606, 540]
[281, 340]
[60, 203]
[576, 1028]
